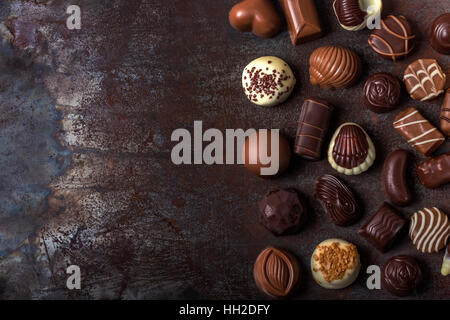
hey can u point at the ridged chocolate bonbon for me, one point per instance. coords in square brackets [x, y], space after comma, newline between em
[418, 131]
[302, 20]
[257, 16]
[381, 92]
[435, 172]
[277, 272]
[349, 14]
[312, 128]
[282, 211]
[424, 79]
[401, 275]
[351, 151]
[429, 230]
[394, 40]
[383, 227]
[334, 67]
[439, 34]
[393, 178]
[445, 114]
[337, 200]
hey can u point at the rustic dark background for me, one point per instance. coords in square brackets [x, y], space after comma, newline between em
[85, 172]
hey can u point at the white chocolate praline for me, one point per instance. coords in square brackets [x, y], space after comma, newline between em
[363, 166]
[371, 7]
[268, 81]
[446, 263]
[349, 275]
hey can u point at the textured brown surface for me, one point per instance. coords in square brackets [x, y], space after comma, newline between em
[141, 227]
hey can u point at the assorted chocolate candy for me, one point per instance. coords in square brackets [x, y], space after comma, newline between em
[335, 264]
[381, 92]
[351, 150]
[337, 200]
[282, 212]
[269, 81]
[277, 272]
[393, 177]
[424, 79]
[383, 227]
[334, 67]
[418, 131]
[401, 275]
[429, 230]
[395, 39]
[312, 128]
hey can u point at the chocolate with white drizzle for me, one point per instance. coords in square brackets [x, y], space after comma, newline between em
[424, 79]
[418, 131]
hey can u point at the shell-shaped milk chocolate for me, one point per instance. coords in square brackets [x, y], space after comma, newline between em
[334, 67]
[276, 272]
[351, 150]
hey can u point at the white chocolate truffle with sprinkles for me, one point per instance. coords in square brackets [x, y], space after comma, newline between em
[335, 264]
[268, 81]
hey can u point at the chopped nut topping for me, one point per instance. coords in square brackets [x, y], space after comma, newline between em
[334, 260]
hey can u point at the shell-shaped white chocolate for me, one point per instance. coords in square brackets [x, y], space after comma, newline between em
[350, 274]
[268, 81]
[371, 154]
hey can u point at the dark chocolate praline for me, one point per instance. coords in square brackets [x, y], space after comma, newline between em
[439, 34]
[381, 92]
[401, 275]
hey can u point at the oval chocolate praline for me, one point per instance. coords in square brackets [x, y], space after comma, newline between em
[381, 92]
[348, 12]
[393, 178]
[439, 34]
[337, 200]
[401, 275]
[277, 272]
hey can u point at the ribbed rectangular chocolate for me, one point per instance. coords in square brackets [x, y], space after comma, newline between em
[418, 131]
[312, 127]
[302, 20]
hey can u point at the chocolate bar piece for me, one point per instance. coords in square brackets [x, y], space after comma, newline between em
[312, 127]
[419, 132]
[445, 114]
[302, 20]
[435, 171]
[383, 227]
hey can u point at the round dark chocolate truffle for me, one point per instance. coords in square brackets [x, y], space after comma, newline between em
[277, 272]
[381, 92]
[439, 34]
[282, 211]
[401, 275]
[251, 154]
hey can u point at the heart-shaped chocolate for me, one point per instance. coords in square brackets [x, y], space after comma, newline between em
[257, 16]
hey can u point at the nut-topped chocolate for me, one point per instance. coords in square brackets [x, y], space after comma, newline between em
[277, 272]
[267, 81]
[439, 34]
[334, 67]
[351, 150]
[381, 92]
[424, 79]
[394, 40]
[335, 264]
[401, 275]
[337, 200]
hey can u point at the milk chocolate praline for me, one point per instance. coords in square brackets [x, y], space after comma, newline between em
[381, 92]
[252, 161]
[439, 34]
[277, 272]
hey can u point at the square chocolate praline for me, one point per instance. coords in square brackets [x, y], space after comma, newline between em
[383, 227]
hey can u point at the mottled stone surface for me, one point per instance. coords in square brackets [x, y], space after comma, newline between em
[85, 171]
